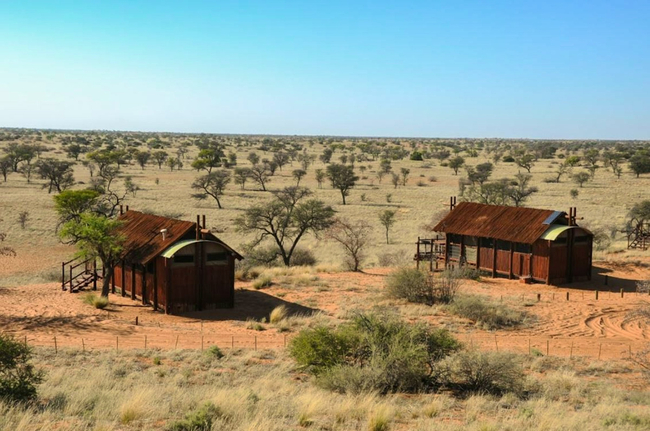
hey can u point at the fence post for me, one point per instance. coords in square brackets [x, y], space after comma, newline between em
[256, 343]
[117, 343]
[596, 295]
[56, 348]
[83, 345]
[201, 342]
[176, 345]
[547, 347]
[145, 342]
[621, 292]
[232, 342]
[70, 278]
[571, 351]
[62, 275]
[567, 296]
[539, 297]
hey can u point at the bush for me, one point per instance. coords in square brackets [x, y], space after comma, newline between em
[201, 420]
[373, 353]
[18, 378]
[215, 352]
[485, 313]
[411, 284]
[392, 259]
[418, 286]
[303, 257]
[483, 372]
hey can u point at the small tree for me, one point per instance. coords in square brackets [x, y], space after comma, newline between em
[519, 190]
[261, 174]
[160, 157]
[387, 219]
[394, 178]
[5, 167]
[241, 175]
[18, 378]
[320, 177]
[286, 220]
[298, 174]
[212, 184]
[208, 159]
[353, 237]
[253, 158]
[640, 163]
[23, 217]
[580, 178]
[143, 158]
[58, 173]
[456, 163]
[574, 193]
[96, 237]
[525, 161]
[281, 159]
[342, 178]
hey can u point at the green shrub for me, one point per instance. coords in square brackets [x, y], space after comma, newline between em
[482, 372]
[486, 313]
[18, 378]
[200, 420]
[411, 284]
[303, 257]
[215, 352]
[373, 353]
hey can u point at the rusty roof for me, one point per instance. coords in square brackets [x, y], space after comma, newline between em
[516, 224]
[144, 240]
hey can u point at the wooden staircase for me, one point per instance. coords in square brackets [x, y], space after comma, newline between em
[639, 237]
[76, 275]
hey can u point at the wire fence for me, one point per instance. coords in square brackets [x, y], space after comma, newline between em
[594, 348]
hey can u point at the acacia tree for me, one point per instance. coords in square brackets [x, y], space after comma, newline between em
[160, 157]
[353, 237]
[298, 174]
[94, 234]
[581, 177]
[241, 175]
[5, 167]
[143, 158]
[57, 172]
[387, 219]
[456, 163]
[342, 178]
[212, 184]
[261, 174]
[286, 219]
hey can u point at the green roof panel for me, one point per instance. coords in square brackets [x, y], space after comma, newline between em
[171, 251]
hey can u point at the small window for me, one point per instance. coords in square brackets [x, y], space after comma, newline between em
[187, 258]
[487, 243]
[503, 245]
[523, 248]
[217, 257]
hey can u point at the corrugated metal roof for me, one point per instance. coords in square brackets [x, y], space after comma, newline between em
[144, 240]
[516, 224]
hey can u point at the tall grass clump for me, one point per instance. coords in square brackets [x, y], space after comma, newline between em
[200, 420]
[486, 313]
[373, 353]
[278, 314]
[99, 302]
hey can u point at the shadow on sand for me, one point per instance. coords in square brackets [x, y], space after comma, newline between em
[251, 304]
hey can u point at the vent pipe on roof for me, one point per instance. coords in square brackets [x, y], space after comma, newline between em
[164, 233]
[203, 221]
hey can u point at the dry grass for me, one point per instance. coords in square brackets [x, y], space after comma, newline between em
[259, 391]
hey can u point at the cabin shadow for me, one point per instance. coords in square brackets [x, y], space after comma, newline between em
[602, 280]
[251, 304]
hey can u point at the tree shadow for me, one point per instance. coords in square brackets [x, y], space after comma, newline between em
[57, 323]
[251, 304]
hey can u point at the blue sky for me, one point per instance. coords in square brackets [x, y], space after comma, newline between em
[547, 69]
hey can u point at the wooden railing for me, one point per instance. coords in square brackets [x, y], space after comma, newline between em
[80, 273]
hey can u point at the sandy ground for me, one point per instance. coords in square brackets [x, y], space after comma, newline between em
[579, 326]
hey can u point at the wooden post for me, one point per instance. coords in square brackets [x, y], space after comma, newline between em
[596, 295]
[567, 296]
[461, 255]
[571, 351]
[547, 347]
[70, 278]
[478, 253]
[494, 258]
[446, 250]
[176, 345]
[117, 343]
[256, 343]
[144, 285]
[62, 275]
[621, 292]
[83, 345]
[112, 281]
[56, 347]
[417, 256]
[155, 284]
[203, 221]
[133, 281]
[539, 297]
[512, 256]
[232, 342]
[168, 299]
[123, 278]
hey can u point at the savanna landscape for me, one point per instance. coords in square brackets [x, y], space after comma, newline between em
[340, 332]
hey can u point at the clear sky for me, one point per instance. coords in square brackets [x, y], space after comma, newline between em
[538, 69]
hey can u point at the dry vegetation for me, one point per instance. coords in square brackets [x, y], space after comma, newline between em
[265, 390]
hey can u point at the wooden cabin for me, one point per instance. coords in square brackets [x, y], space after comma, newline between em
[533, 244]
[174, 265]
